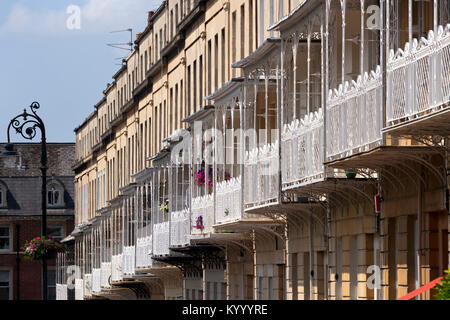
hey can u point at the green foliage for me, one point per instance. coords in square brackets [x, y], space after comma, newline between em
[444, 287]
[39, 247]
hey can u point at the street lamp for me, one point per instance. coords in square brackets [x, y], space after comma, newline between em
[26, 124]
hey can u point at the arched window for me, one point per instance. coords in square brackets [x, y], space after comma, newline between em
[55, 194]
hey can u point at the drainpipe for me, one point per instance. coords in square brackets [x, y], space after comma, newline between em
[420, 228]
[17, 261]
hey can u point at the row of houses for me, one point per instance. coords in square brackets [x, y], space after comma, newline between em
[268, 150]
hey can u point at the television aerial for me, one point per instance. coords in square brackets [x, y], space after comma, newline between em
[128, 46]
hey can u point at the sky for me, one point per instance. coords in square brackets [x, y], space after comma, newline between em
[48, 57]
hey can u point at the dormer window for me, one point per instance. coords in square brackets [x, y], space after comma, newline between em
[55, 195]
[3, 191]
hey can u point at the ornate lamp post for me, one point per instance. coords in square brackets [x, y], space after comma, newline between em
[26, 125]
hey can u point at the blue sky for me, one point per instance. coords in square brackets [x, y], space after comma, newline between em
[64, 70]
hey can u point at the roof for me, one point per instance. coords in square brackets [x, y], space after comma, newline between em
[294, 15]
[89, 117]
[199, 114]
[225, 89]
[266, 47]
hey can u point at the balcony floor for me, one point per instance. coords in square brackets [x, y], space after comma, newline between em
[431, 122]
[382, 157]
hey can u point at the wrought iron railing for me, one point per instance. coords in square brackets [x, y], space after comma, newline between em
[418, 77]
[105, 277]
[203, 207]
[261, 175]
[144, 248]
[229, 200]
[129, 256]
[354, 116]
[161, 235]
[116, 267]
[302, 150]
[179, 228]
[96, 280]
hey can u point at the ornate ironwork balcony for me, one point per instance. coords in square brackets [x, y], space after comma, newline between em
[144, 247]
[261, 176]
[354, 116]
[229, 200]
[302, 151]
[203, 207]
[418, 79]
[179, 228]
[161, 235]
[129, 256]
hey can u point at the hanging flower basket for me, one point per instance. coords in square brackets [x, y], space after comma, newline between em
[199, 223]
[42, 247]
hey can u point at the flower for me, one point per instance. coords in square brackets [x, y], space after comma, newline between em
[203, 178]
[199, 223]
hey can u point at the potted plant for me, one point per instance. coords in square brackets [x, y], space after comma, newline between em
[165, 208]
[227, 212]
[41, 247]
[350, 174]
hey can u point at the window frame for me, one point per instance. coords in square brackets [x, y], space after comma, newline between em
[8, 225]
[59, 225]
[51, 269]
[3, 195]
[10, 282]
[59, 187]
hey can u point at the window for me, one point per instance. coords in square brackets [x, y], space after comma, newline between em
[209, 68]
[5, 241]
[233, 40]
[51, 284]
[200, 80]
[5, 285]
[55, 231]
[54, 195]
[194, 82]
[2, 196]
[242, 35]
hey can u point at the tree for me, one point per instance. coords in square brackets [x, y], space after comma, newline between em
[444, 287]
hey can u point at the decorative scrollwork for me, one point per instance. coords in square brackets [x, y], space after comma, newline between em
[26, 123]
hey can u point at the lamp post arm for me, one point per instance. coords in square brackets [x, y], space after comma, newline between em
[26, 125]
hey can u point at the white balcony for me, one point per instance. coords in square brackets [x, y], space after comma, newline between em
[202, 207]
[96, 280]
[229, 200]
[79, 289]
[105, 275]
[261, 176]
[144, 248]
[87, 284]
[61, 291]
[116, 267]
[129, 256]
[302, 151]
[179, 228]
[161, 234]
[418, 78]
[354, 116]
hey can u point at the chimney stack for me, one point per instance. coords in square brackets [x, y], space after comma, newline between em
[150, 14]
